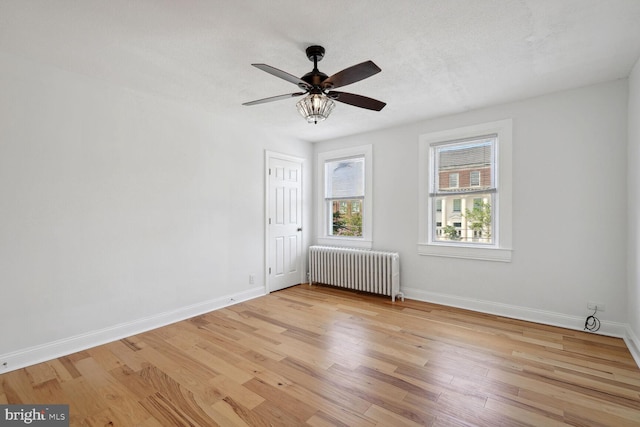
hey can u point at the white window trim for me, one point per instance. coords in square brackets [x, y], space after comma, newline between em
[322, 236]
[502, 249]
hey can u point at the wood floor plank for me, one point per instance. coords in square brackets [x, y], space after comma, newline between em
[238, 392]
[17, 387]
[116, 395]
[276, 396]
[320, 356]
[527, 416]
[134, 381]
[47, 392]
[173, 401]
[386, 417]
[163, 371]
[228, 412]
[40, 373]
[199, 354]
[109, 417]
[323, 389]
[62, 373]
[84, 397]
[341, 417]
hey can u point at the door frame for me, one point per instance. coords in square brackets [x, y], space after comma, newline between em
[268, 155]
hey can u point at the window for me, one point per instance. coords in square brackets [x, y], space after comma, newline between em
[342, 208]
[454, 178]
[474, 178]
[471, 219]
[344, 188]
[471, 212]
[344, 178]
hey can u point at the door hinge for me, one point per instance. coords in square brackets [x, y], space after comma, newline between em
[269, 220]
[269, 171]
[269, 270]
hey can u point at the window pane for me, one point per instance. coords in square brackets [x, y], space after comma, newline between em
[465, 220]
[453, 180]
[346, 218]
[462, 190]
[463, 165]
[344, 178]
[474, 177]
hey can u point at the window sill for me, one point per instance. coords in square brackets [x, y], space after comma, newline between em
[345, 242]
[465, 252]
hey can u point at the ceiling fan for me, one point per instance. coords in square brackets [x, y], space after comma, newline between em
[318, 87]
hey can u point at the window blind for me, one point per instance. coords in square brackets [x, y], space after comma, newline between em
[345, 178]
[463, 167]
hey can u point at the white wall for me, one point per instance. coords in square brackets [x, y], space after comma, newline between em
[634, 208]
[569, 211]
[119, 210]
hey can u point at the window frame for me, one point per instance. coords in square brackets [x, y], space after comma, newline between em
[322, 216]
[501, 249]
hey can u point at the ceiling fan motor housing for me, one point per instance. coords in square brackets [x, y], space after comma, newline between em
[315, 79]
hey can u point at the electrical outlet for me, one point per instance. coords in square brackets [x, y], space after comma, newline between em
[596, 306]
[252, 279]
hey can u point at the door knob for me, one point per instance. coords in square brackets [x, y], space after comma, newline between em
[299, 228]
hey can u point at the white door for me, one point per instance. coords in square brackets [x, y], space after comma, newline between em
[284, 223]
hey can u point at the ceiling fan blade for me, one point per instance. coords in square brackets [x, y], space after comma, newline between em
[283, 75]
[274, 98]
[357, 100]
[352, 74]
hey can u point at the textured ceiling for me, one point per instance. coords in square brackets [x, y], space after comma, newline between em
[437, 56]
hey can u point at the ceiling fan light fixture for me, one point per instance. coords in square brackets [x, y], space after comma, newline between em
[315, 107]
[319, 88]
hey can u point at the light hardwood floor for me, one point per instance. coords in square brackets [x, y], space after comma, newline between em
[318, 356]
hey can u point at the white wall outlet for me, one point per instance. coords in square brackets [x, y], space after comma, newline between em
[252, 279]
[596, 306]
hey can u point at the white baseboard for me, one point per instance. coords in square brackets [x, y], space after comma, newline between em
[619, 330]
[51, 350]
[633, 343]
